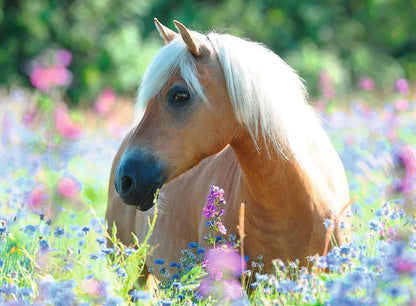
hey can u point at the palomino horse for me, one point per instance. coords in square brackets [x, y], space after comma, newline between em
[220, 110]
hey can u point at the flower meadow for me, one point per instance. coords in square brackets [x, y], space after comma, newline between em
[55, 165]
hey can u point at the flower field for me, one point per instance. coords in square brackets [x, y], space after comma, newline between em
[55, 166]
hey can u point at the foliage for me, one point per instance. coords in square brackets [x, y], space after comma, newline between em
[113, 41]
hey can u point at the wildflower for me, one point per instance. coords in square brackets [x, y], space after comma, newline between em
[221, 228]
[366, 83]
[101, 240]
[63, 57]
[114, 301]
[68, 187]
[193, 245]
[93, 256]
[140, 295]
[29, 229]
[328, 223]
[59, 232]
[159, 261]
[107, 251]
[85, 229]
[65, 126]
[209, 211]
[43, 244]
[129, 251]
[402, 85]
[375, 225]
[216, 195]
[121, 272]
[105, 101]
[37, 198]
[405, 161]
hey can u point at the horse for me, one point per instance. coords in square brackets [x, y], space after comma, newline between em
[225, 111]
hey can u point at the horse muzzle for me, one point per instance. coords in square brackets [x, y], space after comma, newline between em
[137, 178]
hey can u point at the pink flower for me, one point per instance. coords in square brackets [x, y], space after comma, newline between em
[65, 125]
[404, 265]
[402, 85]
[221, 228]
[37, 197]
[68, 187]
[223, 261]
[401, 104]
[406, 162]
[105, 101]
[367, 84]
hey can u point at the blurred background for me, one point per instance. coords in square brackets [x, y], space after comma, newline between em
[84, 49]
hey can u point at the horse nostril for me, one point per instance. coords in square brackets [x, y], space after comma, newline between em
[127, 183]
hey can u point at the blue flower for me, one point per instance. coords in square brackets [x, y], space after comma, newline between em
[121, 272]
[375, 225]
[107, 251]
[85, 229]
[328, 223]
[193, 245]
[29, 229]
[101, 240]
[159, 261]
[140, 295]
[93, 256]
[59, 232]
[43, 244]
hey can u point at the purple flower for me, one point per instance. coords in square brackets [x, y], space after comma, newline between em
[216, 194]
[402, 85]
[209, 211]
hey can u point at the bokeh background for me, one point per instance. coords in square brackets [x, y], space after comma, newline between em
[365, 45]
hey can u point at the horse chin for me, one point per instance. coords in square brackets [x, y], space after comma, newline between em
[145, 207]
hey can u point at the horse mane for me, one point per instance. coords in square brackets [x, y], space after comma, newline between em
[267, 94]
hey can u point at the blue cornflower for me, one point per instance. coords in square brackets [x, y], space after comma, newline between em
[165, 302]
[85, 229]
[262, 277]
[140, 295]
[101, 240]
[176, 285]
[121, 272]
[3, 227]
[174, 264]
[129, 251]
[375, 225]
[159, 261]
[321, 262]
[93, 256]
[200, 251]
[59, 232]
[29, 229]
[43, 244]
[328, 223]
[1, 262]
[193, 245]
[107, 251]
[81, 243]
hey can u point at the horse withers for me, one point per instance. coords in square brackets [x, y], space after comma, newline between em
[220, 110]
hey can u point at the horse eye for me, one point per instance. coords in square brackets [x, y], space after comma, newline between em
[178, 95]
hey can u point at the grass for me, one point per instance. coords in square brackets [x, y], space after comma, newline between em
[53, 191]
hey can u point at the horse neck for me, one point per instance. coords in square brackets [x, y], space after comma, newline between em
[273, 185]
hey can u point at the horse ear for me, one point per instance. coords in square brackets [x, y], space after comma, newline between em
[195, 45]
[167, 34]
